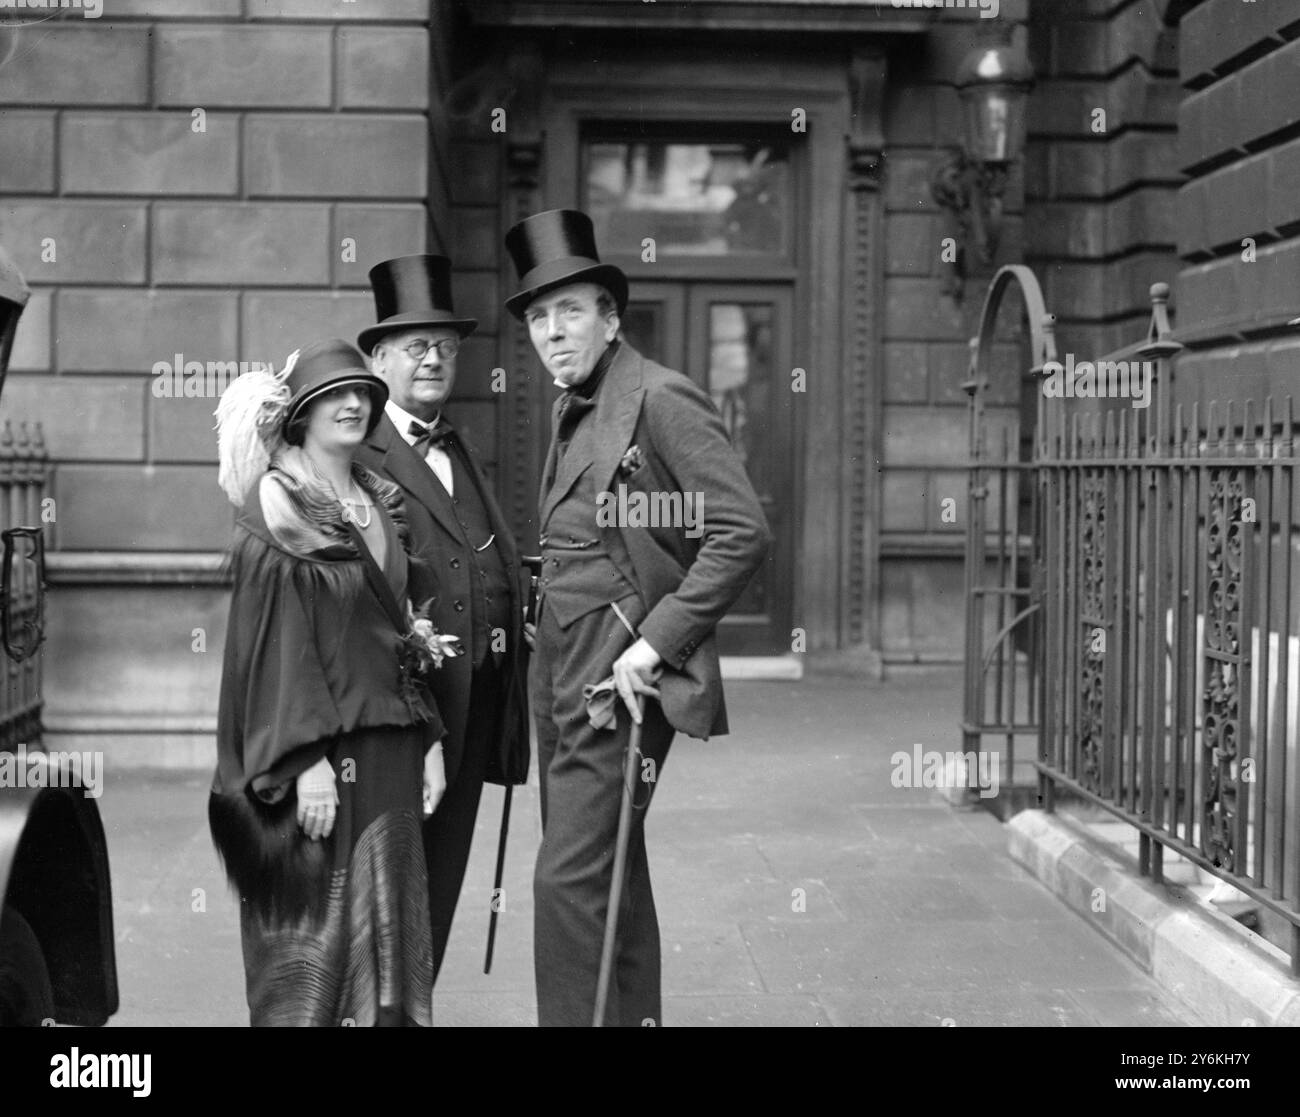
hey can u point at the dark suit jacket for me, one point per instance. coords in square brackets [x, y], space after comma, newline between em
[437, 538]
[688, 584]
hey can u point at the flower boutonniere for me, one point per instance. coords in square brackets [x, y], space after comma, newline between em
[633, 460]
[423, 649]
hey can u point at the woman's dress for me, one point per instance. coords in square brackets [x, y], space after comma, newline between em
[336, 931]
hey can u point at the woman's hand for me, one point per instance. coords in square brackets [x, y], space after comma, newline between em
[317, 800]
[530, 636]
[435, 779]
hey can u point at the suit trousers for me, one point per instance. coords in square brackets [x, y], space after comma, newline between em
[580, 770]
[449, 833]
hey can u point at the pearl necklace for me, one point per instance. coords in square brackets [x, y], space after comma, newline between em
[350, 506]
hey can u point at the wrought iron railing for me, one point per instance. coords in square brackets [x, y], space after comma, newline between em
[1132, 606]
[1003, 657]
[1003, 663]
[24, 478]
[1170, 621]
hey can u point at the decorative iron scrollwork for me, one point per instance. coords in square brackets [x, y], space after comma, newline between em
[1092, 675]
[22, 611]
[1221, 699]
[1092, 550]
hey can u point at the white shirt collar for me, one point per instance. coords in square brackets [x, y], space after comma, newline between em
[403, 419]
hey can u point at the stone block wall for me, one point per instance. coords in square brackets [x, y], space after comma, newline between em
[1239, 210]
[926, 327]
[208, 181]
[1101, 166]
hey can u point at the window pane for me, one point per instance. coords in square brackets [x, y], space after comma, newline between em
[641, 324]
[694, 199]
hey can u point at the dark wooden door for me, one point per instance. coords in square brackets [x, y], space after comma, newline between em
[708, 219]
[734, 340]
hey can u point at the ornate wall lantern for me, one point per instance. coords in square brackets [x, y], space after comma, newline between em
[993, 82]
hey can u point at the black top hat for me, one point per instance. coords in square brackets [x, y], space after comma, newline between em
[554, 249]
[412, 291]
[330, 364]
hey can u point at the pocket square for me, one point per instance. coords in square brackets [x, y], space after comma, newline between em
[631, 461]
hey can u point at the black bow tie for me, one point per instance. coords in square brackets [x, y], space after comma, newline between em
[425, 437]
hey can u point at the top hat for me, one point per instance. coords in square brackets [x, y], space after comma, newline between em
[554, 249]
[324, 365]
[412, 291]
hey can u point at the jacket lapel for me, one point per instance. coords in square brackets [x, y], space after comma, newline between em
[505, 538]
[404, 466]
[571, 468]
[378, 583]
[617, 410]
[618, 404]
[552, 458]
[504, 534]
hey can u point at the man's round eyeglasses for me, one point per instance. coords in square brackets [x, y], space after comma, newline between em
[447, 348]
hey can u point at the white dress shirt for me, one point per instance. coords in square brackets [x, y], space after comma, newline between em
[436, 458]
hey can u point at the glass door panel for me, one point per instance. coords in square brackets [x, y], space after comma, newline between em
[740, 354]
[654, 323]
[704, 221]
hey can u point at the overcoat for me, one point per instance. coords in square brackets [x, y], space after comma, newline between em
[312, 654]
[436, 538]
[658, 434]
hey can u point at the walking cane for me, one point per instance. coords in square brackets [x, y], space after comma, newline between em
[500, 872]
[620, 862]
[534, 565]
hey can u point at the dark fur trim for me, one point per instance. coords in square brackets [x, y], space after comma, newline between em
[270, 863]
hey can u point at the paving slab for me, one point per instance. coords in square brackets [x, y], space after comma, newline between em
[796, 885]
[1220, 971]
[957, 1008]
[1127, 1008]
[766, 1010]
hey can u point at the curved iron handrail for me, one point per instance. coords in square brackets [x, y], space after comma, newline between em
[1042, 337]
[1006, 631]
[979, 659]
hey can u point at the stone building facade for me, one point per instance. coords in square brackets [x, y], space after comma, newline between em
[189, 181]
[1238, 210]
[778, 154]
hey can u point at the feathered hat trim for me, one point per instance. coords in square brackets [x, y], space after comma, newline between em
[250, 428]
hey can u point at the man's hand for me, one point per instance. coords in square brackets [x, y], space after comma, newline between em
[317, 800]
[435, 779]
[530, 636]
[634, 672]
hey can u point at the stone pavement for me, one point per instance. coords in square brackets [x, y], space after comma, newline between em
[795, 884]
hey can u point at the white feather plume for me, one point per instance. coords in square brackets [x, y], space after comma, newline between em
[249, 416]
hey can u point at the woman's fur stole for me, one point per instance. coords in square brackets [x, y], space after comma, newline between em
[299, 536]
